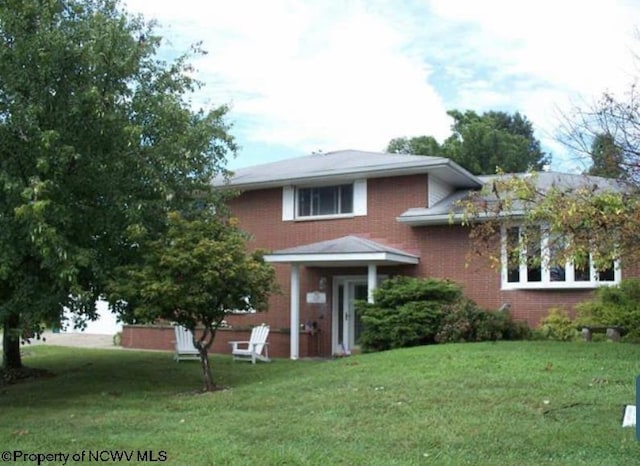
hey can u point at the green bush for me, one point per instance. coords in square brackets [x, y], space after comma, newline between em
[411, 324]
[411, 311]
[613, 305]
[400, 290]
[513, 329]
[465, 321]
[557, 325]
[407, 312]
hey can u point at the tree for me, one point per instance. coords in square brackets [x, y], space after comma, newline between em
[606, 157]
[195, 275]
[420, 145]
[596, 217]
[588, 220]
[98, 140]
[610, 128]
[483, 143]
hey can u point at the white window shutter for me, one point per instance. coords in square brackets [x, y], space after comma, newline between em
[360, 197]
[288, 203]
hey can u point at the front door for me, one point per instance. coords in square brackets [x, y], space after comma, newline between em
[346, 321]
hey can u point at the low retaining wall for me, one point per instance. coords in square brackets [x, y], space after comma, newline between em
[162, 337]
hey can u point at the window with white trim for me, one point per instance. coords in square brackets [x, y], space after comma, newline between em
[324, 201]
[530, 261]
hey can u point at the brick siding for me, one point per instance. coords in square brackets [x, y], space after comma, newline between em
[162, 337]
[443, 251]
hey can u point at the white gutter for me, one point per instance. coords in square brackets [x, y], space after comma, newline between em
[448, 219]
[309, 258]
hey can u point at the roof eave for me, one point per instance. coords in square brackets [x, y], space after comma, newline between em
[348, 258]
[387, 171]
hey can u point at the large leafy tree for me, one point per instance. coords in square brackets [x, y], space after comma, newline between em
[419, 145]
[194, 275]
[482, 143]
[98, 139]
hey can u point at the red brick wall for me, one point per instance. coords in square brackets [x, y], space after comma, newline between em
[260, 213]
[445, 254]
[148, 337]
[161, 337]
[443, 251]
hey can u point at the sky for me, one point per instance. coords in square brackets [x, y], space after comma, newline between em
[324, 75]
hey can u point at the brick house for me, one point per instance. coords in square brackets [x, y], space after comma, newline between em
[338, 223]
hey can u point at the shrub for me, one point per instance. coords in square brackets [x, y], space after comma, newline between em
[407, 312]
[410, 311]
[514, 329]
[613, 305]
[400, 290]
[465, 321]
[557, 325]
[411, 324]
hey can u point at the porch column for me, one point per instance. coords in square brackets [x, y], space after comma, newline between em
[372, 281]
[295, 311]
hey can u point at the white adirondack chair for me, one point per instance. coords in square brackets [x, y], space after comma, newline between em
[184, 344]
[255, 348]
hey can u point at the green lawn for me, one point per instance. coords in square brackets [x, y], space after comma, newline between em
[485, 403]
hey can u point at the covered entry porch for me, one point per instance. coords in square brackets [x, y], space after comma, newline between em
[347, 254]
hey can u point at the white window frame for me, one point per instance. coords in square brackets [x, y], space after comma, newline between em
[290, 201]
[545, 281]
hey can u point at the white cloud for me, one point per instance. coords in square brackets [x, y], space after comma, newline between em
[546, 55]
[313, 76]
[354, 74]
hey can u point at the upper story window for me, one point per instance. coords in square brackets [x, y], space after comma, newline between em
[324, 201]
[530, 260]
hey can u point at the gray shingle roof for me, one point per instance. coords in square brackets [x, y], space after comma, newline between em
[346, 245]
[347, 164]
[440, 213]
[347, 250]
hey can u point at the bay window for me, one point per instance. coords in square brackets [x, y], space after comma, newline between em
[531, 259]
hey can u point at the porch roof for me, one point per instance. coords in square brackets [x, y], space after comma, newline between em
[343, 252]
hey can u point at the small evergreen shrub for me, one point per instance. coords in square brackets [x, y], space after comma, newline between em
[557, 325]
[407, 312]
[400, 290]
[411, 324]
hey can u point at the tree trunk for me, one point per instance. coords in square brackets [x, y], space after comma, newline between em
[204, 343]
[209, 386]
[11, 358]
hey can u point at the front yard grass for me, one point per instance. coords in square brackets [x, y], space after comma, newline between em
[486, 403]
